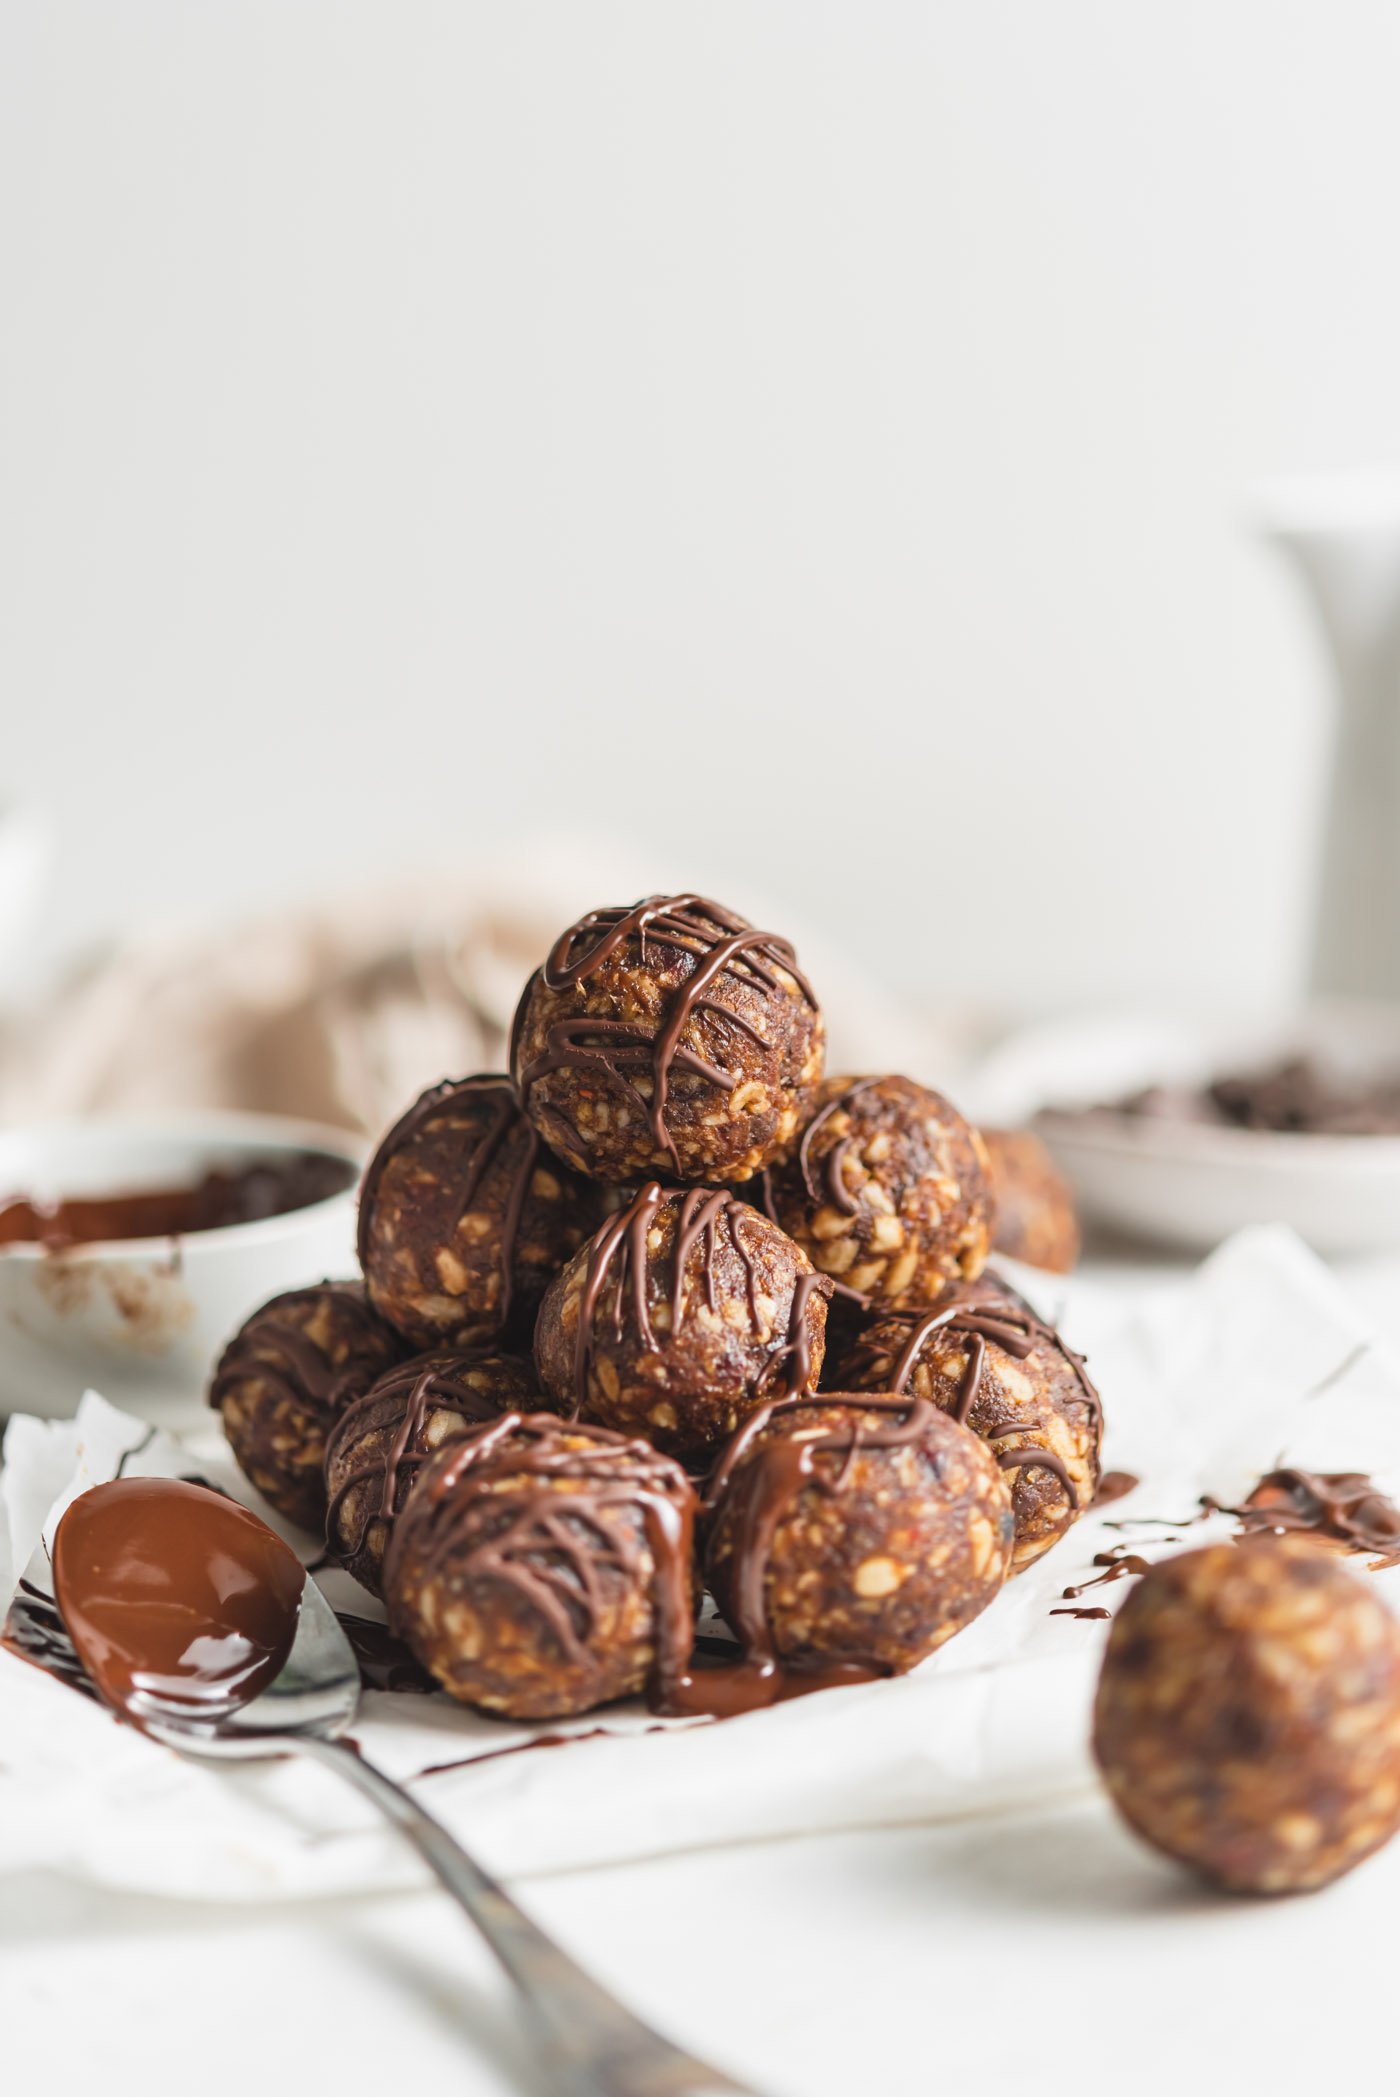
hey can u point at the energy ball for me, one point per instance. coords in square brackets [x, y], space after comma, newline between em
[889, 1192]
[1035, 1219]
[685, 1312]
[670, 1037]
[859, 1529]
[286, 1376]
[465, 1218]
[377, 1448]
[539, 1569]
[1248, 1715]
[983, 1356]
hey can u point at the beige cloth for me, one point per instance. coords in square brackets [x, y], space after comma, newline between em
[344, 1013]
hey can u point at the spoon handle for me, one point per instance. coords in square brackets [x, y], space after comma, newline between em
[592, 2045]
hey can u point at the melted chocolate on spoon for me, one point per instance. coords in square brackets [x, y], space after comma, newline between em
[171, 1589]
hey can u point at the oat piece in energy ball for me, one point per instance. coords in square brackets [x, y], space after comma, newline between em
[983, 1356]
[1248, 1715]
[541, 1568]
[465, 1218]
[1035, 1219]
[888, 1191]
[854, 1528]
[284, 1379]
[672, 1037]
[378, 1446]
[686, 1311]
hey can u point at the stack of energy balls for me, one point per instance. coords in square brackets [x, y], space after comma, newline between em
[668, 1310]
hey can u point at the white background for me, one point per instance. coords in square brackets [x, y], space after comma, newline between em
[810, 441]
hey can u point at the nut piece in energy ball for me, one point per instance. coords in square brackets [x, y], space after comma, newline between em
[1248, 1715]
[669, 1037]
[539, 1569]
[864, 1530]
[1035, 1219]
[685, 1312]
[888, 1192]
[983, 1356]
[377, 1448]
[465, 1218]
[284, 1379]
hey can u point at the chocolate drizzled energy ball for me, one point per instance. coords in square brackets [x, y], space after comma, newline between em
[856, 1530]
[539, 1569]
[669, 1037]
[465, 1218]
[1035, 1219]
[887, 1191]
[686, 1311]
[283, 1380]
[984, 1357]
[377, 1448]
[1248, 1715]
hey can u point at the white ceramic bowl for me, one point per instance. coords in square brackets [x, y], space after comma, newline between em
[141, 1319]
[1190, 1186]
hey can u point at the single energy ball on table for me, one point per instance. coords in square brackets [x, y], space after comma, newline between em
[1248, 1715]
[672, 1037]
[1035, 1218]
[888, 1192]
[284, 1379]
[854, 1529]
[540, 1568]
[983, 1356]
[686, 1311]
[465, 1218]
[377, 1448]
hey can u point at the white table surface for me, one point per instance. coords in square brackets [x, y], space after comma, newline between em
[1051, 1953]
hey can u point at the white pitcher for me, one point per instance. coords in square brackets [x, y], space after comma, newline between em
[1343, 531]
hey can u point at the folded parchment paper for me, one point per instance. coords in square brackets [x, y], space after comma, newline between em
[1256, 1359]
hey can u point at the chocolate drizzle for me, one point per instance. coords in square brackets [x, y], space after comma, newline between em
[506, 1118]
[1016, 1330]
[306, 1376]
[719, 943]
[556, 1548]
[1344, 1507]
[617, 1258]
[833, 1188]
[1120, 1564]
[406, 1396]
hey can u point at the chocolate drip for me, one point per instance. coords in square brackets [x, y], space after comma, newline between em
[557, 1547]
[618, 1256]
[1115, 1485]
[767, 1477]
[1345, 1507]
[1120, 1564]
[720, 944]
[311, 1379]
[434, 1387]
[34, 1631]
[835, 1189]
[506, 1118]
[1015, 1329]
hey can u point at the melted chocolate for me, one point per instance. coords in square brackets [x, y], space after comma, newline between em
[506, 1118]
[384, 1661]
[720, 945]
[268, 1187]
[1115, 1485]
[1120, 1564]
[1345, 1507]
[617, 1255]
[421, 1389]
[169, 1590]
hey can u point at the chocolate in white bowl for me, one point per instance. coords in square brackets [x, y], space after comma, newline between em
[230, 1209]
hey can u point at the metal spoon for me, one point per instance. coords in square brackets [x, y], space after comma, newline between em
[588, 2044]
